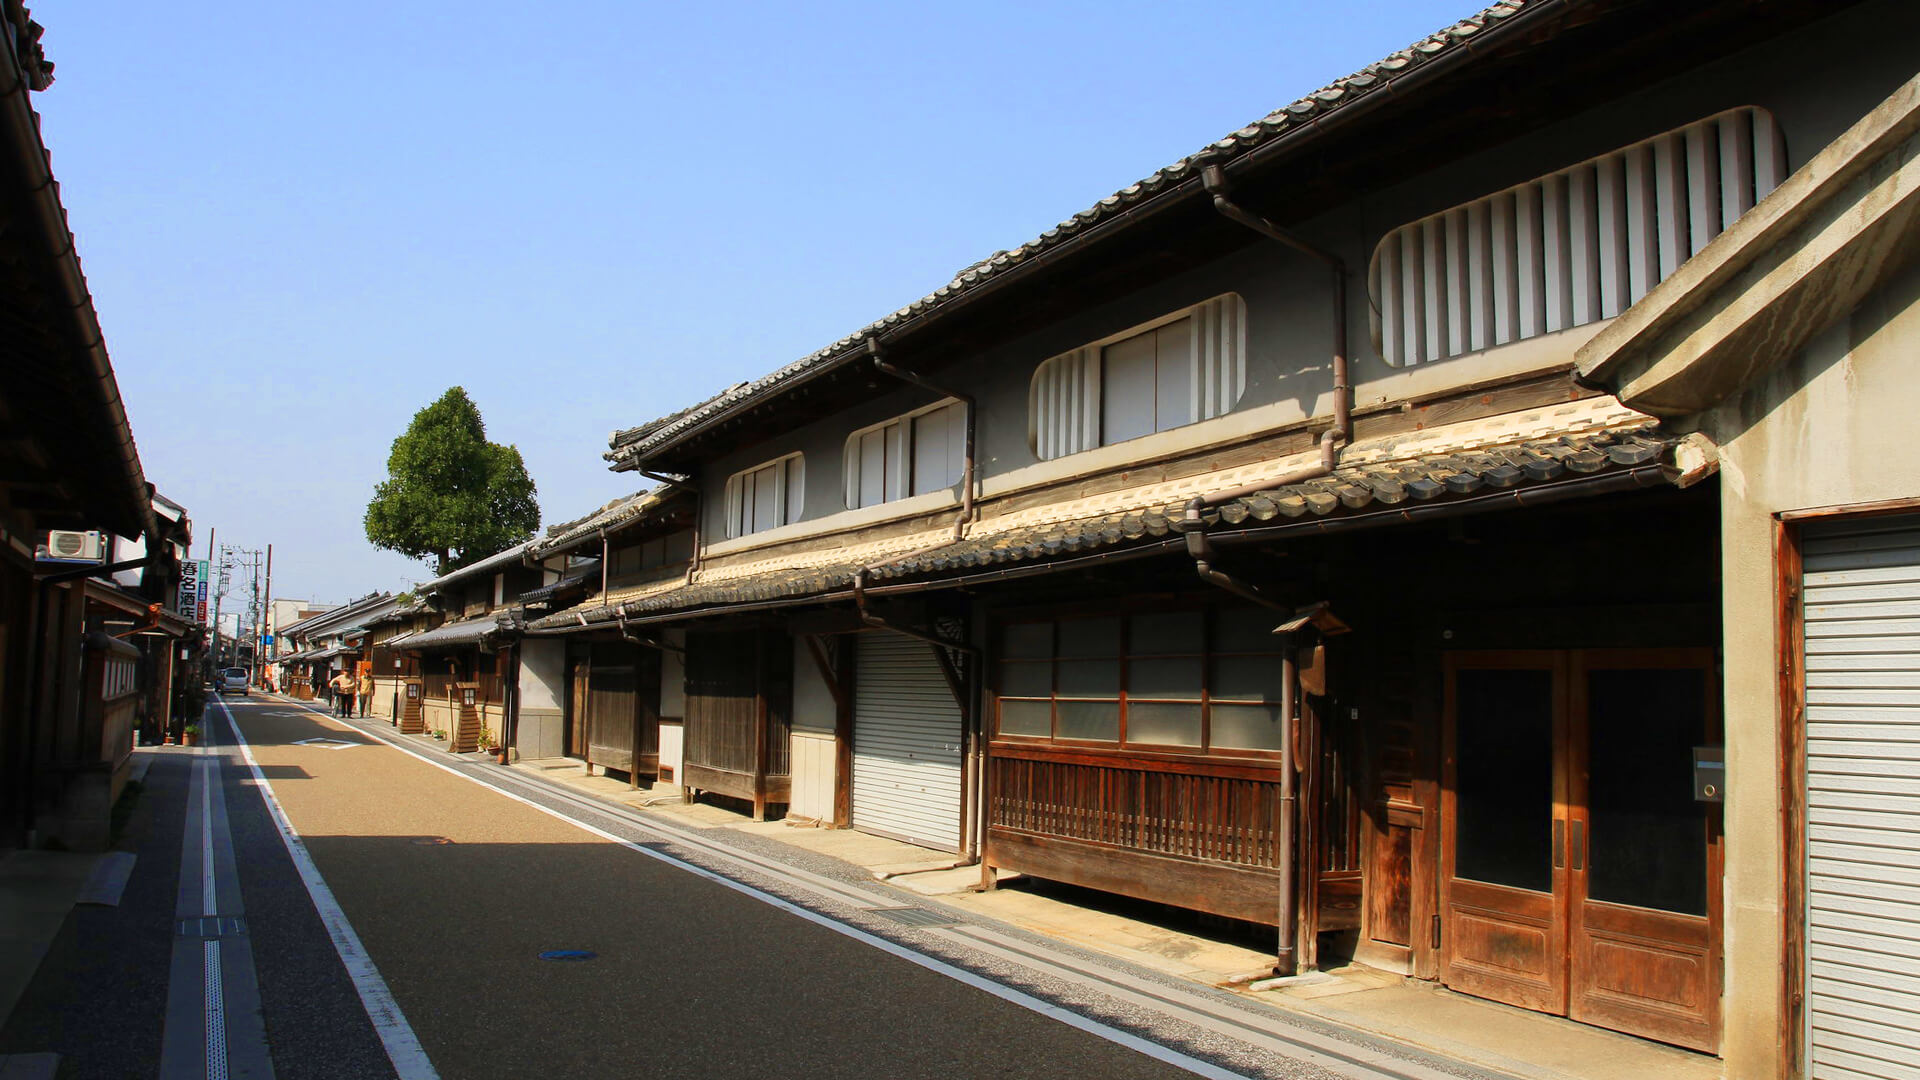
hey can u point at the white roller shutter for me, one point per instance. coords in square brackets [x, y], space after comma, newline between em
[1862, 611]
[906, 744]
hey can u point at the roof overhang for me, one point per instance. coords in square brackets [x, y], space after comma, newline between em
[1804, 257]
[70, 460]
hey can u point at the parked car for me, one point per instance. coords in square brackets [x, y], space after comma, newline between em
[231, 680]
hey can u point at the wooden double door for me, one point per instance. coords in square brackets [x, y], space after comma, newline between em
[1579, 875]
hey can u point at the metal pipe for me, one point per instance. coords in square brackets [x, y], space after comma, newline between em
[878, 623]
[966, 467]
[1286, 950]
[1193, 524]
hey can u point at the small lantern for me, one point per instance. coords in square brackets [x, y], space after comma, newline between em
[413, 691]
[396, 663]
[466, 695]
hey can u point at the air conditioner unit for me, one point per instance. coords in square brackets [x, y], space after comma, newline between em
[64, 546]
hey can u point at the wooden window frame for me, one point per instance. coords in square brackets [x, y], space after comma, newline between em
[1121, 744]
[736, 507]
[899, 434]
[1219, 357]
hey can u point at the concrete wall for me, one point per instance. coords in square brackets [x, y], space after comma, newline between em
[1832, 426]
[1816, 82]
[541, 729]
[813, 775]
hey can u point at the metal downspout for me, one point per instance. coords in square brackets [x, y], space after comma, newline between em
[966, 467]
[693, 563]
[1286, 950]
[1194, 526]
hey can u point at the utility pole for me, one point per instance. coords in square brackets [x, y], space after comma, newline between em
[267, 606]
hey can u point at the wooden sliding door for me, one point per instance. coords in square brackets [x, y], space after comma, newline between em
[1579, 876]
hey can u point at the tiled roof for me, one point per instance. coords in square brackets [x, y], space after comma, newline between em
[632, 443]
[1370, 485]
[579, 579]
[509, 557]
[614, 514]
[26, 46]
[456, 634]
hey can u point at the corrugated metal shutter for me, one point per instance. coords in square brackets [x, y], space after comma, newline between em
[906, 744]
[1862, 610]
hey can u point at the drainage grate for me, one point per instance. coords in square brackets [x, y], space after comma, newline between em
[914, 916]
[211, 926]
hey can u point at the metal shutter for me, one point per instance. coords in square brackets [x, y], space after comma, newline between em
[906, 744]
[1862, 612]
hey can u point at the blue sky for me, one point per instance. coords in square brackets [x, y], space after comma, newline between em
[303, 222]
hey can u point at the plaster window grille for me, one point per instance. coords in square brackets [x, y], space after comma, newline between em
[1180, 369]
[1569, 248]
[914, 454]
[766, 496]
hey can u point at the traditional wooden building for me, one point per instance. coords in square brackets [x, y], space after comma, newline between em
[609, 698]
[82, 663]
[1252, 542]
[468, 661]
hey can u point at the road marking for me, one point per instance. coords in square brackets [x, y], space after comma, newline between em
[327, 744]
[396, 1035]
[213, 1026]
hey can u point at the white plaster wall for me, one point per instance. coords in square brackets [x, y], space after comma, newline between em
[813, 708]
[673, 682]
[540, 730]
[542, 672]
[672, 743]
[813, 775]
[383, 692]
[1832, 426]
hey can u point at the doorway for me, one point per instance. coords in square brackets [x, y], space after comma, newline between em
[1579, 875]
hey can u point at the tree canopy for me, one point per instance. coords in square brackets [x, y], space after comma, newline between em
[450, 495]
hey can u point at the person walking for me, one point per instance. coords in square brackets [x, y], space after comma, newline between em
[342, 687]
[364, 690]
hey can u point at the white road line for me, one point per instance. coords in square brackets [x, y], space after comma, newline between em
[403, 1047]
[209, 891]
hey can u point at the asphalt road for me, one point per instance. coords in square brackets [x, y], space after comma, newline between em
[456, 890]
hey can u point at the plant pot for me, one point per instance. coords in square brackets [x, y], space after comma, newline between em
[190, 738]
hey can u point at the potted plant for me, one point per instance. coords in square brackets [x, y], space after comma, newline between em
[190, 735]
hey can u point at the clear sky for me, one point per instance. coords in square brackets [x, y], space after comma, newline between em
[303, 222]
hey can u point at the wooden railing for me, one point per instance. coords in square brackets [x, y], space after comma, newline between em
[1189, 813]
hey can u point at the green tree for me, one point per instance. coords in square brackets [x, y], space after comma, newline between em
[450, 495]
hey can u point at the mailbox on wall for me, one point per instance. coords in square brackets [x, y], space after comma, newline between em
[413, 691]
[1709, 774]
[466, 695]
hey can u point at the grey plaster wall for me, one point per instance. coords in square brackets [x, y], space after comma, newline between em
[1816, 82]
